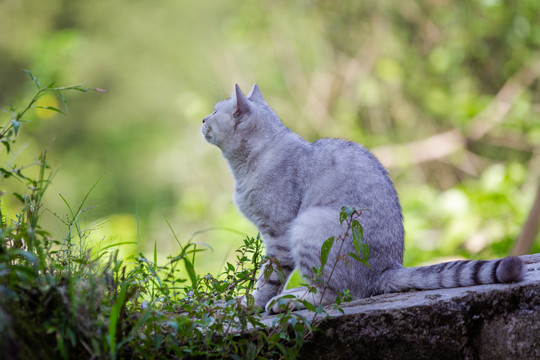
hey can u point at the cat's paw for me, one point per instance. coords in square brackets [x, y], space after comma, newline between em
[290, 299]
[283, 303]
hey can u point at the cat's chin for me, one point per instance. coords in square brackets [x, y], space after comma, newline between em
[209, 139]
[206, 133]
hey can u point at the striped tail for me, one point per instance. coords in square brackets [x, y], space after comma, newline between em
[458, 273]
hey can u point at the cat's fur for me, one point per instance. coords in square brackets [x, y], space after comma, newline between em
[292, 190]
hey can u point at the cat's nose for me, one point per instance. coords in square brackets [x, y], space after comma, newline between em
[204, 120]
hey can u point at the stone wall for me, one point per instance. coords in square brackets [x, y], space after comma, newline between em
[500, 321]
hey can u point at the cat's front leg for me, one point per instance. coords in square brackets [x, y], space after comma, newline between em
[274, 273]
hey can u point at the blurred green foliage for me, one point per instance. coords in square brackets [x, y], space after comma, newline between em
[378, 72]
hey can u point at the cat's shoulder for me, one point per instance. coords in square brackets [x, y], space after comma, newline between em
[341, 148]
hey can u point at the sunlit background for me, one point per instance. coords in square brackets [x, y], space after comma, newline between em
[445, 92]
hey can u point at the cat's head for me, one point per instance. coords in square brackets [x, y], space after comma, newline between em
[236, 120]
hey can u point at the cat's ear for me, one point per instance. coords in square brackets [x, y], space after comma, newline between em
[242, 102]
[255, 94]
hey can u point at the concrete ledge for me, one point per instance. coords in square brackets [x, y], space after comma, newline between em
[500, 321]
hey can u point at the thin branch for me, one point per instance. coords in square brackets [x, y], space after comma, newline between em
[526, 239]
[416, 152]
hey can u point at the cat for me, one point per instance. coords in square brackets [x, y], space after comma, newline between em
[293, 190]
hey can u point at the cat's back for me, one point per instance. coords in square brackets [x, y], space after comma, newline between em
[346, 173]
[340, 152]
[344, 157]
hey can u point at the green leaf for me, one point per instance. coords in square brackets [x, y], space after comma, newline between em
[52, 108]
[114, 316]
[365, 251]
[155, 253]
[268, 270]
[6, 144]
[79, 88]
[27, 270]
[359, 259]
[325, 250]
[19, 197]
[16, 124]
[5, 173]
[33, 78]
[358, 235]
[288, 296]
[309, 305]
[356, 257]
[345, 213]
[64, 100]
[117, 244]
[191, 272]
[31, 258]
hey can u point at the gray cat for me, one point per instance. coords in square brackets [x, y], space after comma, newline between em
[293, 190]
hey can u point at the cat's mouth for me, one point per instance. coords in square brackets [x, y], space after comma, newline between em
[206, 132]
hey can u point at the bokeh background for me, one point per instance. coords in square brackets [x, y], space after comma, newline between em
[445, 92]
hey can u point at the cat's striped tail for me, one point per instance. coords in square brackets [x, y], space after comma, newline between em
[457, 274]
